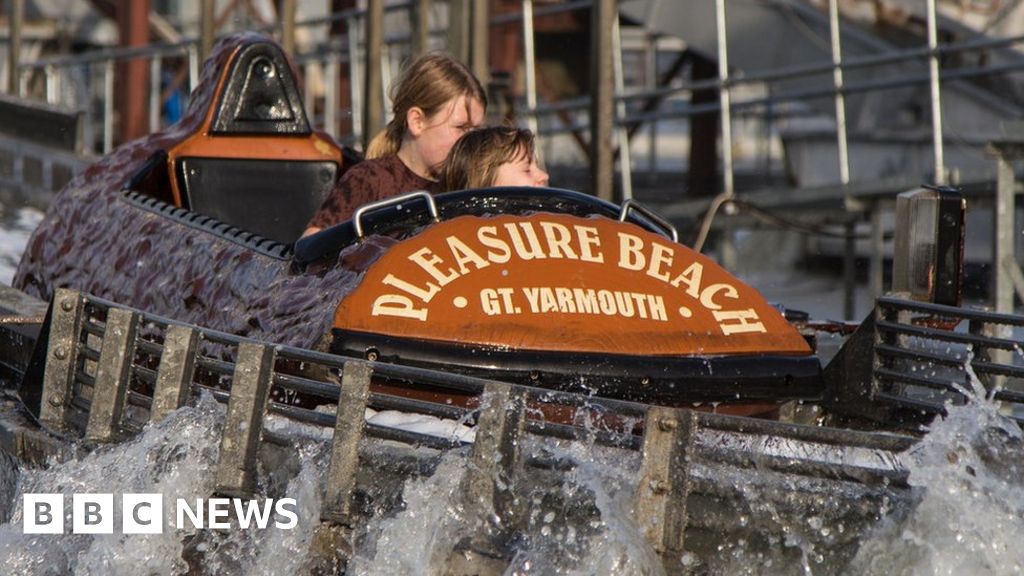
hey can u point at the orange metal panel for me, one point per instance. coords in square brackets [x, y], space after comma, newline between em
[314, 147]
[552, 282]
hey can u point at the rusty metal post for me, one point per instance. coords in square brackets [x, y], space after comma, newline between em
[133, 74]
[373, 91]
[174, 375]
[288, 8]
[250, 386]
[664, 487]
[349, 424]
[61, 357]
[207, 29]
[17, 18]
[602, 93]
[113, 372]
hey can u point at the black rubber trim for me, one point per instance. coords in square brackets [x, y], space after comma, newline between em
[650, 379]
[497, 201]
[255, 242]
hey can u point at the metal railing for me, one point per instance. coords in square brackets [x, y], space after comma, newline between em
[329, 57]
[910, 360]
[111, 369]
[922, 360]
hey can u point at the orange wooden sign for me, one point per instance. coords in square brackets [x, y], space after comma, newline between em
[552, 282]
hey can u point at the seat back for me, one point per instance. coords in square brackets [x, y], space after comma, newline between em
[255, 163]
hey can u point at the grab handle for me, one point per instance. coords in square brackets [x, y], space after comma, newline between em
[366, 208]
[667, 226]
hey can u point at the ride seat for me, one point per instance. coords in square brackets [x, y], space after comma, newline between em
[255, 163]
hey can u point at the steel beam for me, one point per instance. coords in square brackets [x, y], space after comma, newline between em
[133, 74]
[420, 17]
[288, 8]
[207, 29]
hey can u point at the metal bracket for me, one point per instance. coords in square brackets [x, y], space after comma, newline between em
[630, 204]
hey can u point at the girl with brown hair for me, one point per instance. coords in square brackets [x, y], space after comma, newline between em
[493, 156]
[435, 101]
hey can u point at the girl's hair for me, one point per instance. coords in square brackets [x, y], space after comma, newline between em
[429, 82]
[474, 159]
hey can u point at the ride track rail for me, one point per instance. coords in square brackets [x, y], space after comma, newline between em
[909, 360]
[110, 369]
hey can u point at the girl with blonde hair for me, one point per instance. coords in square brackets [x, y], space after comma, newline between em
[493, 156]
[436, 100]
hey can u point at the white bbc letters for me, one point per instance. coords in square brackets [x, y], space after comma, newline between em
[92, 513]
[142, 513]
[43, 513]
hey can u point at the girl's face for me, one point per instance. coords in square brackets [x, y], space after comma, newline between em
[435, 135]
[523, 171]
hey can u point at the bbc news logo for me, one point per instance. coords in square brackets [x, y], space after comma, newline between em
[144, 513]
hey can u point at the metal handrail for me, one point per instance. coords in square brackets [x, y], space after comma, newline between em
[332, 52]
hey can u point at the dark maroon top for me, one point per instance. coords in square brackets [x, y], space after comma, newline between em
[368, 181]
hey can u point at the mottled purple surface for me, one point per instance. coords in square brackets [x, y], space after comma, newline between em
[94, 241]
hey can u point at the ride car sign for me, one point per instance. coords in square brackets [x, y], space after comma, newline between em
[557, 282]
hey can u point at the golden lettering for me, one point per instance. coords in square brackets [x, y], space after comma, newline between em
[565, 301]
[691, 277]
[488, 236]
[589, 240]
[397, 305]
[660, 255]
[586, 300]
[424, 295]
[558, 238]
[708, 294]
[630, 257]
[738, 321]
[429, 261]
[534, 251]
[464, 254]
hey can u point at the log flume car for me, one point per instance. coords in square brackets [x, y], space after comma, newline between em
[173, 268]
[540, 286]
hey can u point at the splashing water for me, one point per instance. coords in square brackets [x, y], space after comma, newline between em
[968, 471]
[176, 458]
[575, 518]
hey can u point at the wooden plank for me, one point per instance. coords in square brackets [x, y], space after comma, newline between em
[112, 375]
[664, 486]
[350, 422]
[61, 357]
[243, 427]
[174, 375]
